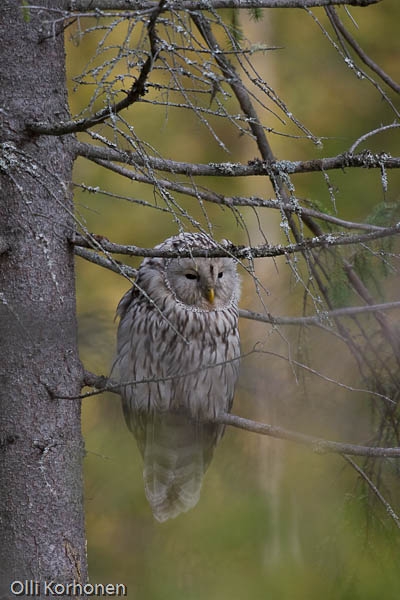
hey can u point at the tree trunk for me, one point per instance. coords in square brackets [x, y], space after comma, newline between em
[41, 450]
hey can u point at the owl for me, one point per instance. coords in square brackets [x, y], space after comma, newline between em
[178, 361]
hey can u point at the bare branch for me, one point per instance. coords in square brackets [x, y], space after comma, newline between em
[393, 515]
[240, 91]
[358, 72]
[322, 317]
[341, 29]
[365, 159]
[84, 5]
[245, 252]
[233, 201]
[319, 445]
[137, 90]
[102, 261]
[372, 133]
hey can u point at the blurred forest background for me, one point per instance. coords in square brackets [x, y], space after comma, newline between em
[275, 520]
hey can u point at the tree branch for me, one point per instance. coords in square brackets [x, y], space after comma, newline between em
[365, 159]
[324, 316]
[371, 133]
[375, 490]
[121, 268]
[279, 177]
[136, 5]
[234, 201]
[243, 252]
[137, 90]
[319, 445]
[341, 29]
[242, 95]
[102, 261]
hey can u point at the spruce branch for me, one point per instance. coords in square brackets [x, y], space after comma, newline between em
[142, 5]
[245, 252]
[320, 445]
[256, 167]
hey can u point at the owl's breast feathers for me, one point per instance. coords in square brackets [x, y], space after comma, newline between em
[172, 358]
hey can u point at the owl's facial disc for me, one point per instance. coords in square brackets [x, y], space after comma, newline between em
[206, 283]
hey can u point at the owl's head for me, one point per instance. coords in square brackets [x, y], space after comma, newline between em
[205, 283]
[201, 283]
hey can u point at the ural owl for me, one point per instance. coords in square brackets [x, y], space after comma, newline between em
[178, 360]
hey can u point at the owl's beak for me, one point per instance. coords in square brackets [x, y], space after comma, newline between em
[210, 295]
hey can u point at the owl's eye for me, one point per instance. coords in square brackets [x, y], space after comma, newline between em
[220, 274]
[191, 276]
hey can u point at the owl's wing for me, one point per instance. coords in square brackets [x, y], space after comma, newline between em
[176, 452]
[125, 301]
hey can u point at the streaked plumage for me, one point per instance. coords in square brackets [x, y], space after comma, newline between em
[177, 358]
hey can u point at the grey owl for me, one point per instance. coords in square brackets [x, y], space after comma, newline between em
[178, 360]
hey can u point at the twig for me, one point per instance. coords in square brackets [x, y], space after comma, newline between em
[358, 50]
[389, 401]
[279, 175]
[232, 201]
[137, 90]
[364, 293]
[375, 490]
[240, 91]
[370, 134]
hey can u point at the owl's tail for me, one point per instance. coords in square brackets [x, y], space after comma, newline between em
[176, 453]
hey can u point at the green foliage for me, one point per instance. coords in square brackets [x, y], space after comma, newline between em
[321, 207]
[255, 13]
[384, 214]
[370, 263]
[25, 11]
[339, 291]
[236, 36]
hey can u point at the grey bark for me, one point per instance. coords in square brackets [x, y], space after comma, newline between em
[41, 449]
